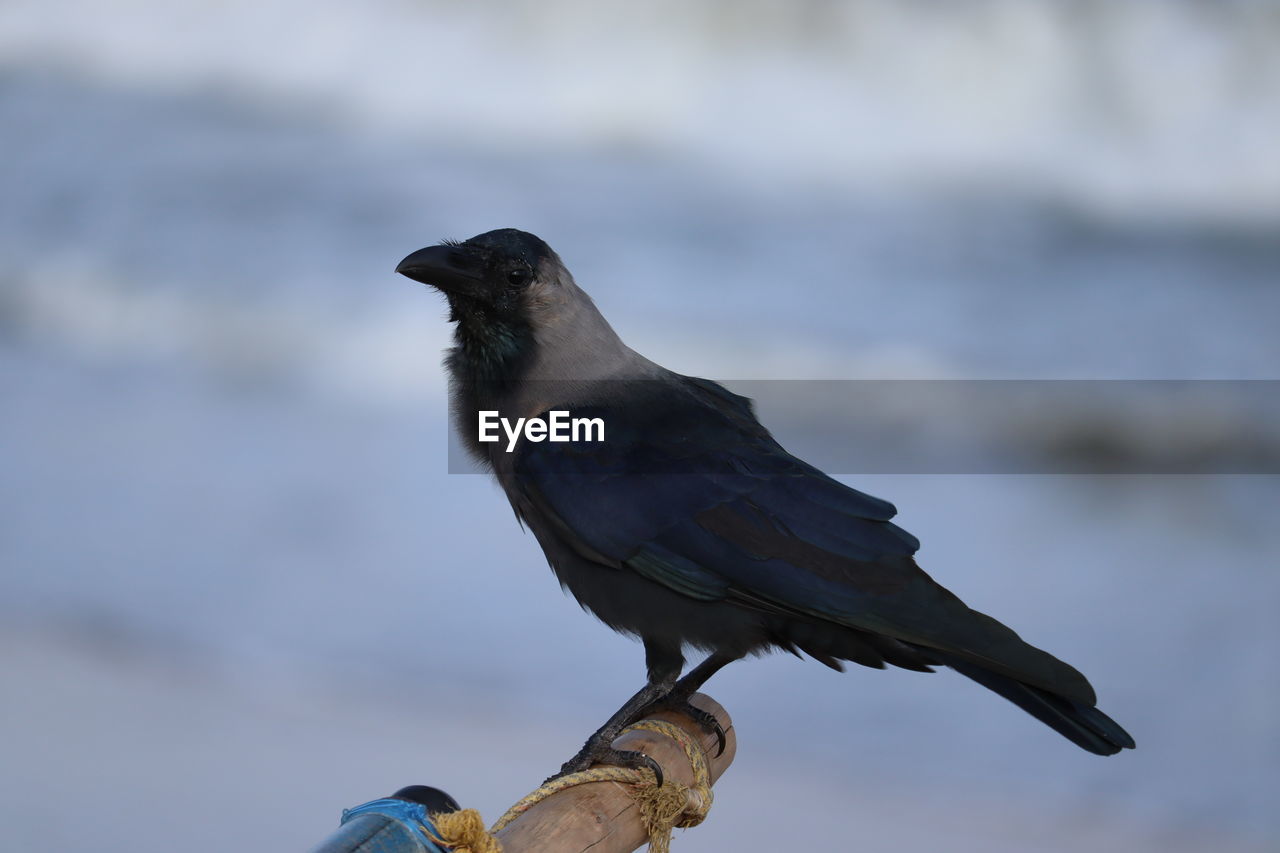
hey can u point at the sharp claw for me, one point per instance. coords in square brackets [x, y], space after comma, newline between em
[655, 767]
[721, 740]
[636, 760]
[594, 753]
[708, 722]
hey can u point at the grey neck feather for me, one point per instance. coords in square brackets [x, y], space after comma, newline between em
[576, 356]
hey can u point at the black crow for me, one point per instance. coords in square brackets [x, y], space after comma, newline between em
[689, 526]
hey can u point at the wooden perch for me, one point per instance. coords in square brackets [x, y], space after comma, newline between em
[603, 816]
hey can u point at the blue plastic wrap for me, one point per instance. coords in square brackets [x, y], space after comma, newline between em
[383, 826]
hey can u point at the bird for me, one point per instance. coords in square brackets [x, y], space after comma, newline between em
[689, 527]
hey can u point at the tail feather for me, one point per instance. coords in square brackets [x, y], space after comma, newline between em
[1083, 725]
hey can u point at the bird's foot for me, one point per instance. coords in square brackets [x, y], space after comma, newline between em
[597, 750]
[681, 705]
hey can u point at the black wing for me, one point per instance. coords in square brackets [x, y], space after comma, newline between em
[690, 491]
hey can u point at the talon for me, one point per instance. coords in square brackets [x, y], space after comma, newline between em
[596, 752]
[705, 719]
[708, 722]
[648, 761]
[631, 759]
[721, 739]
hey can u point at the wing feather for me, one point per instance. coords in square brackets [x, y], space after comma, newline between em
[689, 491]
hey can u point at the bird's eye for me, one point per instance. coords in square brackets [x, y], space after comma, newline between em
[518, 277]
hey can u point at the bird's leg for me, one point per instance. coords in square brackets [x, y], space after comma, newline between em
[664, 666]
[677, 698]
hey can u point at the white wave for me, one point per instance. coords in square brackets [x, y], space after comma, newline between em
[1149, 107]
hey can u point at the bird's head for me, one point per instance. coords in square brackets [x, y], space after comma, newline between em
[516, 308]
[501, 274]
[501, 285]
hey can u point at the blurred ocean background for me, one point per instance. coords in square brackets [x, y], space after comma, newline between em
[239, 590]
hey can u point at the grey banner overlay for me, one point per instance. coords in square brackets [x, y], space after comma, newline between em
[983, 426]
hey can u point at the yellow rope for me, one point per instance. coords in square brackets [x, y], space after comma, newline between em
[463, 832]
[596, 774]
[661, 808]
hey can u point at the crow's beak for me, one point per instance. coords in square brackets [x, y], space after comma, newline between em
[447, 268]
